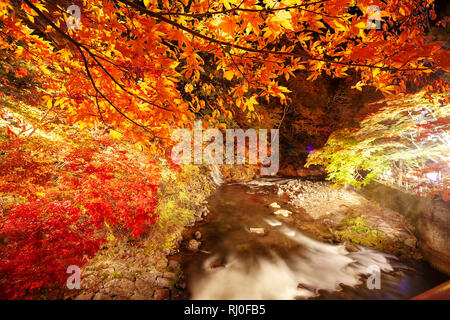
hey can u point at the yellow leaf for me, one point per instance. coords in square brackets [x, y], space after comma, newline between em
[188, 87]
[320, 24]
[115, 134]
[361, 25]
[228, 75]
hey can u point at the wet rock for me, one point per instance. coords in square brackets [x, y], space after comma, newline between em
[193, 245]
[119, 287]
[217, 263]
[273, 222]
[162, 282]
[410, 242]
[274, 205]
[101, 296]
[162, 294]
[350, 247]
[84, 296]
[283, 212]
[205, 212]
[257, 231]
[191, 221]
[145, 284]
[198, 235]
[137, 296]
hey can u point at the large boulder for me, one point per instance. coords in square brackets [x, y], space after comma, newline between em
[430, 217]
[433, 227]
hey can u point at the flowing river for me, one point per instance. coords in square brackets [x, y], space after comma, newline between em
[287, 262]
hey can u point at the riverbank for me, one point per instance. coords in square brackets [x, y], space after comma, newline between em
[349, 217]
[140, 269]
[153, 268]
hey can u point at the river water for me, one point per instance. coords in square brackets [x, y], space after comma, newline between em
[287, 262]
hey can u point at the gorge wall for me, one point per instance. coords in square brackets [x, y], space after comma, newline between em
[430, 218]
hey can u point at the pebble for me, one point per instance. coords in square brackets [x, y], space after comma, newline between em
[193, 245]
[283, 212]
[258, 231]
[274, 205]
[162, 282]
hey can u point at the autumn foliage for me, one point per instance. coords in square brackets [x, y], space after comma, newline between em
[405, 143]
[146, 67]
[137, 70]
[91, 192]
[42, 239]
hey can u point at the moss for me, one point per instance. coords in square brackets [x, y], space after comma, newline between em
[355, 228]
[181, 194]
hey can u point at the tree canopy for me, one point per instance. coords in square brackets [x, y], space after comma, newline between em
[143, 68]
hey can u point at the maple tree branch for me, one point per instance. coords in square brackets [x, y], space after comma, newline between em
[225, 43]
[80, 45]
[238, 8]
[80, 48]
[235, 64]
[98, 108]
[120, 85]
[103, 96]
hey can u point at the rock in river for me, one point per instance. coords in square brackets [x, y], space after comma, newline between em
[258, 231]
[193, 245]
[283, 212]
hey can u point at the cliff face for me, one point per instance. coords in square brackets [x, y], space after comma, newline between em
[433, 226]
[431, 219]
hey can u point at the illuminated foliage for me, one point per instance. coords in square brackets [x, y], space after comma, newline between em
[138, 66]
[413, 130]
[139, 69]
[68, 209]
